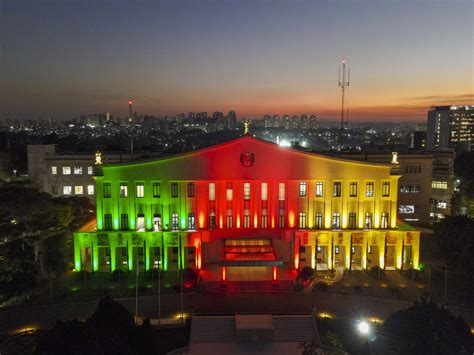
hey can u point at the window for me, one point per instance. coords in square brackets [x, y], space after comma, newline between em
[369, 189]
[174, 189]
[264, 191]
[406, 209]
[337, 189]
[66, 170]
[385, 189]
[264, 221]
[441, 204]
[190, 189]
[302, 220]
[410, 189]
[124, 252]
[212, 220]
[302, 188]
[124, 221]
[156, 189]
[140, 222]
[55, 190]
[107, 190]
[246, 190]
[90, 170]
[90, 189]
[246, 219]
[353, 189]
[281, 191]
[191, 221]
[123, 189]
[413, 169]
[318, 222]
[443, 185]
[319, 189]
[78, 170]
[281, 221]
[384, 220]
[212, 191]
[336, 220]
[229, 192]
[54, 170]
[174, 221]
[336, 249]
[228, 219]
[368, 220]
[67, 190]
[352, 220]
[157, 222]
[108, 221]
[140, 190]
[78, 190]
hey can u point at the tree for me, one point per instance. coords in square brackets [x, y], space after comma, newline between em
[42, 226]
[110, 330]
[463, 199]
[330, 344]
[17, 268]
[425, 328]
[454, 238]
[113, 325]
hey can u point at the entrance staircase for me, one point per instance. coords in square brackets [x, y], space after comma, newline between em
[249, 253]
[249, 250]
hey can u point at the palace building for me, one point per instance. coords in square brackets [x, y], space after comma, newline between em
[246, 203]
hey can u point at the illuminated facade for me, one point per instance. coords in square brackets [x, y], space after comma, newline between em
[450, 127]
[246, 202]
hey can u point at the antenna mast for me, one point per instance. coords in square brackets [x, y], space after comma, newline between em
[342, 84]
[130, 122]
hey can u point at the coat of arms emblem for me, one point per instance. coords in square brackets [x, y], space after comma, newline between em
[247, 159]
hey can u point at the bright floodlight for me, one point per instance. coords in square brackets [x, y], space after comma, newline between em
[363, 327]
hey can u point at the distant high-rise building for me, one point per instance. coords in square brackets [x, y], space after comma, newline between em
[267, 121]
[294, 121]
[231, 120]
[218, 115]
[450, 127]
[312, 121]
[419, 140]
[276, 120]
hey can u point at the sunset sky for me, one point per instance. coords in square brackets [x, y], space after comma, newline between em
[70, 57]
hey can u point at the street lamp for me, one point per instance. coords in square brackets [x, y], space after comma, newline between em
[365, 330]
[363, 327]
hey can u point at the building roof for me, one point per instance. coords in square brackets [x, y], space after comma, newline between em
[246, 157]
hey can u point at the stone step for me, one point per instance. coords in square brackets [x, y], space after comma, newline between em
[213, 330]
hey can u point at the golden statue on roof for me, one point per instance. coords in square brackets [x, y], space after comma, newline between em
[246, 127]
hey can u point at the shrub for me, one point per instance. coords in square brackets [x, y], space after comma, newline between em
[375, 271]
[322, 286]
[306, 273]
[117, 275]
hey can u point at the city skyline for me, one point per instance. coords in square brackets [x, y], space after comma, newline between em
[67, 59]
